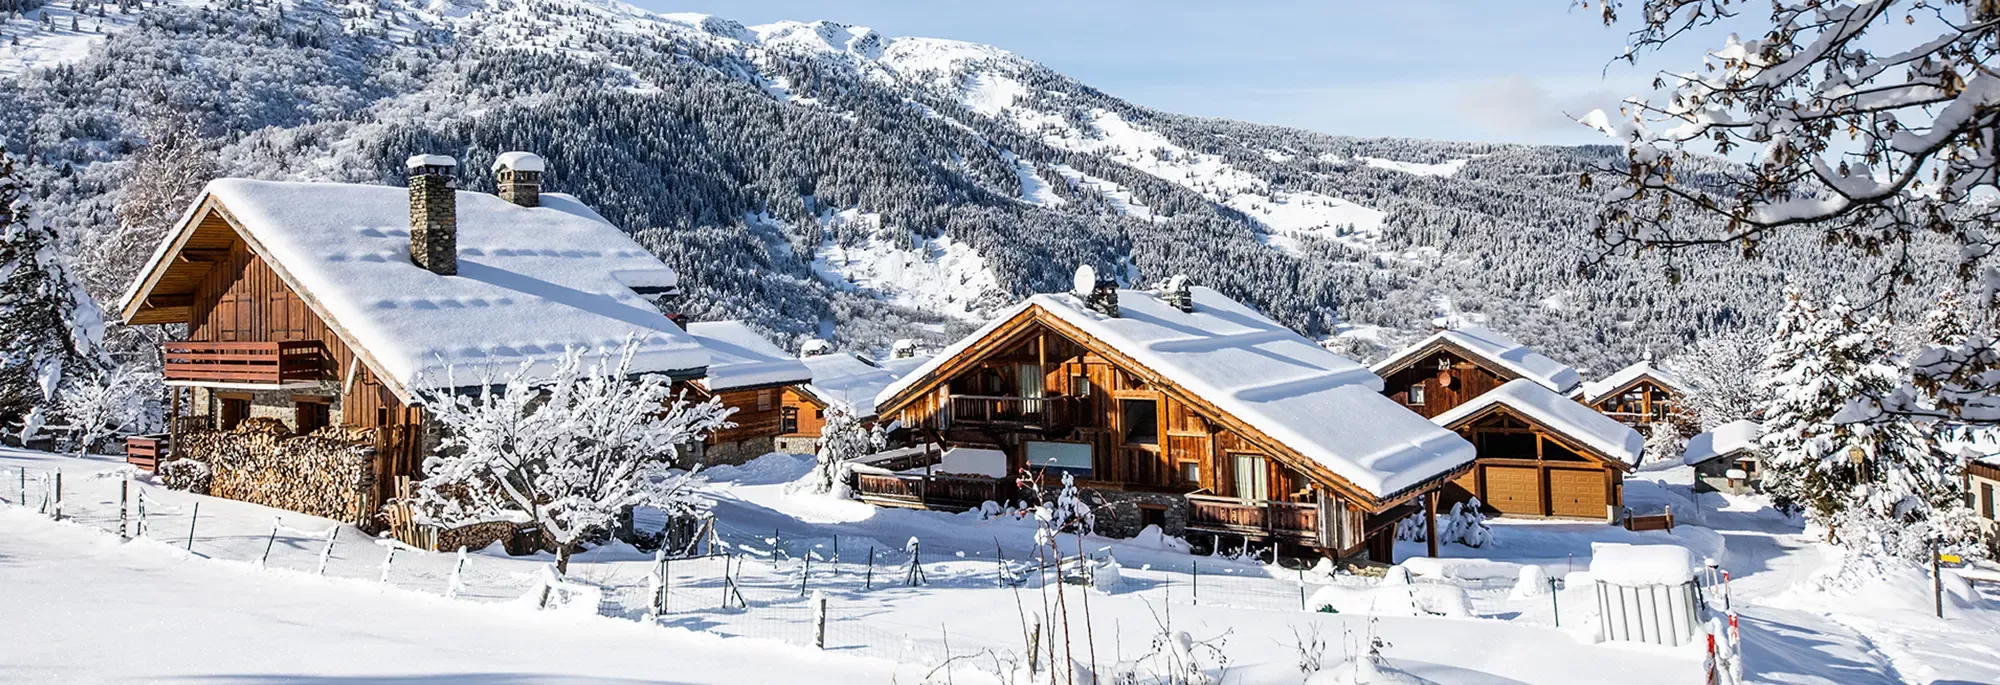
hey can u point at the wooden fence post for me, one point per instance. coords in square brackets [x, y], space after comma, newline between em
[819, 619]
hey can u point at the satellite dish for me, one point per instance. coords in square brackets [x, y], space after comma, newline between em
[1086, 280]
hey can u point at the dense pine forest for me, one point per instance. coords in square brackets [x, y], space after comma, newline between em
[821, 180]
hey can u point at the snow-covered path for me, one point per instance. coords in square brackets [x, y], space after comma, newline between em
[79, 606]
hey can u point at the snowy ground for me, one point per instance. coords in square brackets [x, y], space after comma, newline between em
[70, 589]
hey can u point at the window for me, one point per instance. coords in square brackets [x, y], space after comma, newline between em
[1191, 473]
[1028, 382]
[233, 409]
[1079, 386]
[1071, 457]
[1142, 421]
[1986, 501]
[788, 420]
[1416, 396]
[819, 414]
[763, 400]
[311, 413]
[1253, 482]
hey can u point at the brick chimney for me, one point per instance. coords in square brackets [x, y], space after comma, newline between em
[433, 214]
[519, 176]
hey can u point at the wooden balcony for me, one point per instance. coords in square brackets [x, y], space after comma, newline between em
[998, 410]
[916, 491]
[254, 363]
[1287, 520]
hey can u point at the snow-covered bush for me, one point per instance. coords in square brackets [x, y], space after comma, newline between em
[1465, 525]
[842, 439]
[186, 474]
[571, 450]
[51, 331]
[1533, 582]
[108, 403]
[1107, 575]
[1664, 444]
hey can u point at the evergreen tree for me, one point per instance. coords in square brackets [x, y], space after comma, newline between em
[1862, 482]
[49, 328]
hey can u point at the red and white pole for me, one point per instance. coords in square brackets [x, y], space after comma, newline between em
[1708, 664]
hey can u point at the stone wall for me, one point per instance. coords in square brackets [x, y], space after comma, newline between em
[796, 444]
[736, 452]
[1122, 516]
[329, 473]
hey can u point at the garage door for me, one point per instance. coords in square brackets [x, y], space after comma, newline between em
[1513, 490]
[1575, 492]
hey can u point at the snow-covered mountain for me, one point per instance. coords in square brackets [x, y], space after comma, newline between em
[822, 179]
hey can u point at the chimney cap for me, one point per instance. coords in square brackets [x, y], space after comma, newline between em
[418, 162]
[518, 161]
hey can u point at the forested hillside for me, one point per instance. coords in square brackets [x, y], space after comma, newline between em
[823, 180]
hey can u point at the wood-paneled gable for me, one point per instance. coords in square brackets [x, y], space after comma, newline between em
[1445, 379]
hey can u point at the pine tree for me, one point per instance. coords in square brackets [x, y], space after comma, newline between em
[1861, 481]
[50, 329]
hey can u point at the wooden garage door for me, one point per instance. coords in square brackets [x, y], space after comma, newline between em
[1513, 490]
[1577, 492]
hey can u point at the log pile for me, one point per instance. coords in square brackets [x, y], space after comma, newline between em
[329, 472]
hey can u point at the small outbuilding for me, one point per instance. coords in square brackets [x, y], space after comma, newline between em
[1725, 459]
[1645, 593]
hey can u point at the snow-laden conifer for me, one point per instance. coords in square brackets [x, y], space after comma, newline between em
[50, 330]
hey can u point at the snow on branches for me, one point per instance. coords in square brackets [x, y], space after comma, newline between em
[50, 330]
[570, 450]
[1857, 480]
[1869, 135]
[841, 440]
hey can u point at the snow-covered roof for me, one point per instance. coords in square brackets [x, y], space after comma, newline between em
[1599, 389]
[742, 358]
[1496, 349]
[1631, 565]
[849, 380]
[531, 283]
[1324, 406]
[1557, 413]
[1725, 440]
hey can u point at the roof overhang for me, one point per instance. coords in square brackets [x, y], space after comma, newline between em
[1575, 445]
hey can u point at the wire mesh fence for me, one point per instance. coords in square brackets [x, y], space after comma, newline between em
[828, 592]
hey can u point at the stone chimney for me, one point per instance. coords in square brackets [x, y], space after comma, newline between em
[1104, 297]
[519, 176]
[433, 214]
[1178, 294]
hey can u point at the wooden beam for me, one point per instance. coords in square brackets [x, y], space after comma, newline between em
[1431, 522]
[170, 301]
[209, 255]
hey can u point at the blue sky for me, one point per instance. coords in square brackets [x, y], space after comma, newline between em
[1480, 70]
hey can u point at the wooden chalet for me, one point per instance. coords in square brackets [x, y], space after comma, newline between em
[1726, 459]
[1454, 366]
[1187, 410]
[1542, 454]
[851, 382]
[764, 384]
[1982, 495]
[314, 314]
[1641, 395]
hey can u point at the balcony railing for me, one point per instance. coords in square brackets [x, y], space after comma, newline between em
[1289, 520]
[947, 493]
[245, 362]
[1041, 412]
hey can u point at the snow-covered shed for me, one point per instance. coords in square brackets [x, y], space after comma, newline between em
[1543, 454]
[1645, 593]
[336, 305]
[1642, 394]
[764, 384]
[1189, 410]
[1453, 366]
[1725, 458]
[1982, 486]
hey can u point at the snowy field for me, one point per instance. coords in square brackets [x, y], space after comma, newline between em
[82, 606]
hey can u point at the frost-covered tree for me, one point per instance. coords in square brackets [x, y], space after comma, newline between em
[841, 440]
[1663, 443]
[1720, 371]
[106, 404]
[570, 450]
[1870, 125]
[1847, 476]
[50, 330]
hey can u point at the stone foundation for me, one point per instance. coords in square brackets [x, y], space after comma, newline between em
[796, 444]
[736, 453]
[1123, 513]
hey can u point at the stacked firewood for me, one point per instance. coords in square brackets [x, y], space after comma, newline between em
[329, 473]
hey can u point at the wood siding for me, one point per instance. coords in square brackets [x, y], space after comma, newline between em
[1524, 469]
[760, 414]
[1445, 388]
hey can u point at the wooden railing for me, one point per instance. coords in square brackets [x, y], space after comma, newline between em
[145, 451]
[245, 362]
[946, 493]
[1006, 410]
[1271, 519]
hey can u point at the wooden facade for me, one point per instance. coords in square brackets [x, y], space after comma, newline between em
[257, 346]
[1441, 379]
[1056, 400]
[1527, 469]
[780, 411]
[1643, 402]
